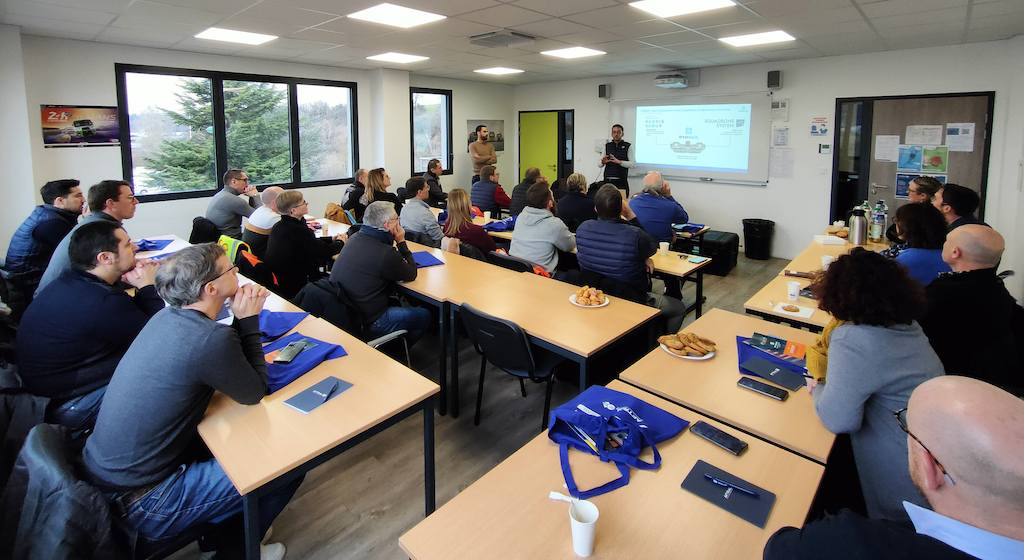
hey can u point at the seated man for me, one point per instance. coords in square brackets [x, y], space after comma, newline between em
[145, 447]
[354, 198]
[227, 207]
[261, 221]
[977, 432]
[487, 194]
[622, 250]
[368, 267]
[656, 209]
[973, 302]
[539, 235]
[416, 214]
[576, 206]
[74, 334]
[112, 201]
[957, 205]
[38, 236]
[294, 253]
[433, 179]
[531, 177]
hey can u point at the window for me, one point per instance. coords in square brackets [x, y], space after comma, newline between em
[187, 127]
[431, 115]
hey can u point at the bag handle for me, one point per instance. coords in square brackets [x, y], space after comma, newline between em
[570, 482]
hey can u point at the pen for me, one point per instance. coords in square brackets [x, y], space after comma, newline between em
[721, 482]
[329, 392]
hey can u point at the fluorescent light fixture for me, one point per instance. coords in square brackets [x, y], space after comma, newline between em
[673, 8]
[499, 71]
[398, 16]
[758, 38]
[232, 36]
[397, 57]
[574, 52]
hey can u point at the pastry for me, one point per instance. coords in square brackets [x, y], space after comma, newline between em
[791, 308]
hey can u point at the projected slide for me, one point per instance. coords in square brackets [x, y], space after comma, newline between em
[714, 138]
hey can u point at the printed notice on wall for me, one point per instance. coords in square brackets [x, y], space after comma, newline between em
[781, 163]
[960, 137]
[887, 148]
[819, 126]
[924, 134]
[780, 137]
[780, 110]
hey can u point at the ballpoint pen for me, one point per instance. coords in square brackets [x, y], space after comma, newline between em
[329, 392]
[721, 482]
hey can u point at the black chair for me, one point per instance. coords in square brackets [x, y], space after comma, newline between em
[607, 285]
[203, 231]
[504, 344]
[421, 238]
[514, 264]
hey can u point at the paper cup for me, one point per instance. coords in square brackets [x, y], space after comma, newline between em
[664, 248]
[826, 260]
[793, 290]
[583, 517]
[487, 215]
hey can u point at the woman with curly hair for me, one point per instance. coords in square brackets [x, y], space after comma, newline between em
[922, 227]
[877, 355]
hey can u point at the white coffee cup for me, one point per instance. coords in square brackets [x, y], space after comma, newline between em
[793, 290]
[664, 248]
[826, 260]
[487, 216]
[583, 517]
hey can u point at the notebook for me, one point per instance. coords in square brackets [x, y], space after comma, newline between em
[316, 396]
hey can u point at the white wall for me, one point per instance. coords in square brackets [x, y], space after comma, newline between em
[19, 187]
[800, 207]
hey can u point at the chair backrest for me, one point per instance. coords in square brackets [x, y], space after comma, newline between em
[503, 342]
[328, 300]
[515, 264]
[607, 285]
[203, 231]
[232, 246]
[421, 238]
[471, 251]
[250, 266]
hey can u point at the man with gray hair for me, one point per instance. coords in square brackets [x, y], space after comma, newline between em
[368, 267]
[354, 193]
[261, 221]
[656, 209]
[145, 446]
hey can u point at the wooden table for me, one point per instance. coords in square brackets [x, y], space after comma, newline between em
[709, 387]
[507, 513]
[264, 446]
[809, 260]
[541, 307]
[763, 303]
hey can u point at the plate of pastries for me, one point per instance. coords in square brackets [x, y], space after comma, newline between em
[589, 297]
[688, 346]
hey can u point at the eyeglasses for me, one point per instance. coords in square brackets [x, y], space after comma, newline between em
[901, 418]
[217, 277]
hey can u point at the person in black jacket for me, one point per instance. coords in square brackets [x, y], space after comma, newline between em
[433, 178]
[577, 206]
[354, 198]
[519, 202]
[294, 253]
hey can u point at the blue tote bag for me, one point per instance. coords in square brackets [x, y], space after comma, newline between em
[585, 422]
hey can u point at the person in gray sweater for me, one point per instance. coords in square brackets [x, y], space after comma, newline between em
[875, 361]
[539, 235]
[227, 208]
[416, 215]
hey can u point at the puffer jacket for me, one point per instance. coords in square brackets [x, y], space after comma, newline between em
[28, 255]
[616, 249]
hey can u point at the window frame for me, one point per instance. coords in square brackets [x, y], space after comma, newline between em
[220, 140]
[412, 127]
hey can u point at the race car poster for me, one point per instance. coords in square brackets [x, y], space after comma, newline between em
[77, 126]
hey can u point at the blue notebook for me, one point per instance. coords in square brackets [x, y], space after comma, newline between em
[748, 508]
[425, 259]
[309, 400]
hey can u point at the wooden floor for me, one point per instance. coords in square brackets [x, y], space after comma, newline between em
[357, 505]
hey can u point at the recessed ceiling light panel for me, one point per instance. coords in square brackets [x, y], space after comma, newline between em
[232, 36]
[499, 71]
[758, 38]
[398, 16]
[574, 52]
[397, 57]
[673, 8]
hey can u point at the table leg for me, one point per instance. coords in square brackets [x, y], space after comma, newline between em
[583, 374]
[454, 323]
[428, 456]
[442, 333]
[250, 506]
[700, 292]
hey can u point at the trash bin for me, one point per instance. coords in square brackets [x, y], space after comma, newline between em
[757, 238]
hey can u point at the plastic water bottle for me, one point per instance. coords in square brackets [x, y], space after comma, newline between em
[878, 220]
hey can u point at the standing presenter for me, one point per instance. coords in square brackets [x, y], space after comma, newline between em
[617, 159]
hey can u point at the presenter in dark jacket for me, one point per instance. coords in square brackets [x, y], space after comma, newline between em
[433, 178]
[577, 206]
[618, 160]
[294, 253]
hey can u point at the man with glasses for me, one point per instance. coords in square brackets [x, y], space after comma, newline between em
[112, 201]
[227, 206]
[145, 453]
[965, 440]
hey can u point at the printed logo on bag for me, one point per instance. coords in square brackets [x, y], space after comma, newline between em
[584, 409]
[609, 405]
[626, 409]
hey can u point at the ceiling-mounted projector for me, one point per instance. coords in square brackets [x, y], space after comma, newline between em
[673, 81]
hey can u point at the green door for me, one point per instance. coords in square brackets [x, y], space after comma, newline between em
[538, 143]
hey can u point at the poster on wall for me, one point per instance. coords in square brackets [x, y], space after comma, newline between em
[495, 133]
[819, 126]
[910, 158]
[960, 137]
[935, 159]
[903, 181]
[67, 126]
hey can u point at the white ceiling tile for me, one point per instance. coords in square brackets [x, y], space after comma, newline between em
[552, 27]
[55, 27]
[173, 13]
[456, 27]
[740, 58]
[902, 7]
[48, 32]
[404, 39]
[326, 55]
[618, 46]
[695, 46]
[559, 8]
[219, 6]
[791, 54]
[997, 21]
[451, 7]
[820, 17]
[644, 29]
[923, 31]
[356, 27]
[922, 18]
[112, 6]
[54, 12]
[504, 15]
[342, 8]
[137, 23]
[453, 56]
[995, 33]
[712, 18]
[278, 29]
[462, 45]
[588, 38]
[774, 9]
[541, 45]
[739, 29]
[322, 36]
[287, 14]
[997, 8]
[603, 17]
[287, 48]
[844, 28]
[676, 38]
[142, 38]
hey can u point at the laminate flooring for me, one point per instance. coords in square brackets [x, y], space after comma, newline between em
[357, 505]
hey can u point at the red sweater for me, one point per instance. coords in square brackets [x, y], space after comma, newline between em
[476, 236]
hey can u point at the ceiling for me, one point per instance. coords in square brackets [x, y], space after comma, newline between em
[317, 31]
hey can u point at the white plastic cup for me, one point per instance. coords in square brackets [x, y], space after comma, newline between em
[664, 248]
[793, 290]
[583, 518]
[826, 260]
[487, 216]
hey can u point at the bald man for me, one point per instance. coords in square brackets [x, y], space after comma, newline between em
[261, 221]
[970, 313]
[965, 439]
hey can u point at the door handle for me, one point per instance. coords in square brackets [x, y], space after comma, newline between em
[877, 186]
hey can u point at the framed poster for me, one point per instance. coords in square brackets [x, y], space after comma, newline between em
[77, 125]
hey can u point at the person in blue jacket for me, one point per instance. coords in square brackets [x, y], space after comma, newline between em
[656, 209]
[923, 229]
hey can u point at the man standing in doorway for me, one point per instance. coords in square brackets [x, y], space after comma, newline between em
[617, 160]
[482, 153]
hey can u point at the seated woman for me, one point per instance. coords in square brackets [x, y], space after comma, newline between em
[875, 360]
[377, 183]
[460, 223]
[923, 229]
[294, 254]
[921, 189]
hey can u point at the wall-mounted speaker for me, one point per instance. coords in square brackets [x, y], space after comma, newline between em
[775, 79]
[604, 91]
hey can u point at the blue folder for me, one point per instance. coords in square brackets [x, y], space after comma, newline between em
[425, 259]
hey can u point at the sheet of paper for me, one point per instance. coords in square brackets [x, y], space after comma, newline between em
[887, 148]
[924, 134]
[960, 137]
[780, 136]
[780, 110]
[781, 163]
